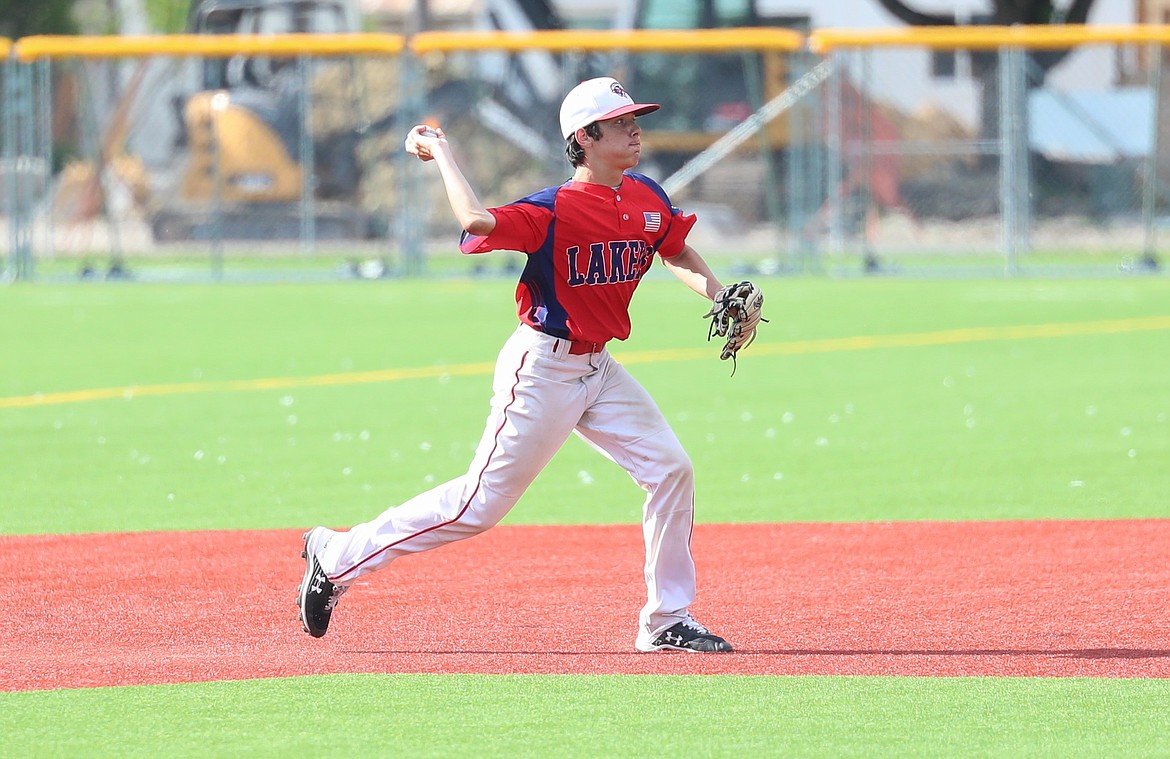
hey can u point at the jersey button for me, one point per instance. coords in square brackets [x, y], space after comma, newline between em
[618, 198]
[625, 217]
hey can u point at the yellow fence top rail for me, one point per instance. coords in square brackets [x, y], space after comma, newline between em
[988, 37]
[678, 41]
[207, 45]
[689, 41]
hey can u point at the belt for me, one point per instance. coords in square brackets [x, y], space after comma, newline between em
[583, 347]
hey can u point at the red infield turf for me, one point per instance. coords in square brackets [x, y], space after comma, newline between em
[1003, 598]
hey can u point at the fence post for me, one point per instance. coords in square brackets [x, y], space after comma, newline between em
[308, 166]
[1013, 155]
[44, 90]
[219, 102]
[835, 145]
[29, 168]
[1150, 175]
[411, 214]
[866, 110]
[9, 119]
[20, 165]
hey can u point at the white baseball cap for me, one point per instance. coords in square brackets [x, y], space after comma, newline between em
[597, 100]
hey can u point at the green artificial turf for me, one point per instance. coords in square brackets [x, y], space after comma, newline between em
[596, 716]
[826, 418]
[268, 406]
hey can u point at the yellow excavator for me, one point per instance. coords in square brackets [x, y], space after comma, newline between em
[242, 130]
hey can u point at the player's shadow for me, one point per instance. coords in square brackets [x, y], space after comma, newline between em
[467, 652]
[1072, 653]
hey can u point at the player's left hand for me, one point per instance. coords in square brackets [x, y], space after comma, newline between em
[421, 141]
[735, 313]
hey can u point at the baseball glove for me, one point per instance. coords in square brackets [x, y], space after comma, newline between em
[735, 313]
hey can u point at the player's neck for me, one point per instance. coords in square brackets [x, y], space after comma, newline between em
[608, 177]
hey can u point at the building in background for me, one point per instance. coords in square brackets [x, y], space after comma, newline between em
[910, 80]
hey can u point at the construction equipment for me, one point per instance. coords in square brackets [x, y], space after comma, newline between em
[245, 173]
[244, 176]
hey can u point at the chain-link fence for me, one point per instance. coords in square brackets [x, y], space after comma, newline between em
[1027, 149]
[939, 151]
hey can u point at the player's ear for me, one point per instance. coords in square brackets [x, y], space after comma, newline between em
[583, 137]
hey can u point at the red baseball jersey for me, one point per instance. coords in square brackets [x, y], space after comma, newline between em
[588, 246]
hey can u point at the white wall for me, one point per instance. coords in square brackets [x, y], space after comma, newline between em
[865, 14]
[902, 77]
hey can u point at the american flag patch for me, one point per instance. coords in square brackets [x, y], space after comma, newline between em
[653, 220]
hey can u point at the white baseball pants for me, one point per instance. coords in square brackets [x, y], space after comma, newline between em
[541, 394]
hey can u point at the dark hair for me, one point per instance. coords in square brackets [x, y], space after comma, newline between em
[573, 149]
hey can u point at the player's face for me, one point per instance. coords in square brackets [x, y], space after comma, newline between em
[621, 142]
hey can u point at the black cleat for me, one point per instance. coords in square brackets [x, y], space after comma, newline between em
[687, 635]
[317, 597]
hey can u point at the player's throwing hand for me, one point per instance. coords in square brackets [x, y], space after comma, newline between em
[421, 141]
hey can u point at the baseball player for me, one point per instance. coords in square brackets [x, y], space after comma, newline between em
[588, 243]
